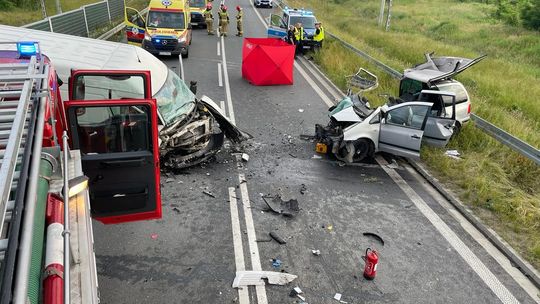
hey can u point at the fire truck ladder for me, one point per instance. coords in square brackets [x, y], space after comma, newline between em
[22, 88]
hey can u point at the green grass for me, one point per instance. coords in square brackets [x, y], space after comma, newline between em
[500, 186]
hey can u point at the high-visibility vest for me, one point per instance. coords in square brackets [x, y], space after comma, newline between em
[223, 16]
[320, 36]
[299, 33]
[208, 15]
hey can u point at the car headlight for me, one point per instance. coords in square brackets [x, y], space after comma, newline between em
[182, 39]
[147, 37]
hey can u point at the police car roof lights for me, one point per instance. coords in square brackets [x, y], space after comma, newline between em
[27, 49]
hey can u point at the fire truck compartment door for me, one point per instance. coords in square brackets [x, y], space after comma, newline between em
[118, 140]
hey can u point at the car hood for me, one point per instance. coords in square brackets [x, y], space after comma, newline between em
[439, 68]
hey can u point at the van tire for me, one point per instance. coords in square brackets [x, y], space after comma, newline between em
[186, 55]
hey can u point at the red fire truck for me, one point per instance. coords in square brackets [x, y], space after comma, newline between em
[63, 162]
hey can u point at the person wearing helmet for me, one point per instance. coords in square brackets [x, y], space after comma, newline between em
[239, 16]
[209, 19]
[223, 20]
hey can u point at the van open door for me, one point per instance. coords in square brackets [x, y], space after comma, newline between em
[113, 122]
[135, 26]
[276, 28]
[402, 128]
[440, 124]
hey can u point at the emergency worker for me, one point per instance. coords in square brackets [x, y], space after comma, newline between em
[209, 19]
[291, 38]
[299, 35]
[319, 35]
[239, 16]
[223, 20]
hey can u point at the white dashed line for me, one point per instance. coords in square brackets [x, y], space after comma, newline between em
[243, 294]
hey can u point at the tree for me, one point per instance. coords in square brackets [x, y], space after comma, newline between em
[6, 5]
[530, 14]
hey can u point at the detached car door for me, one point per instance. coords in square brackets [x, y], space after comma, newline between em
[402, 129]
[113, 122]
[135, 26]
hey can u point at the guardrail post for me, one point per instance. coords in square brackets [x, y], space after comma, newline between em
[50, 24]
[108, 9]
[85, 21]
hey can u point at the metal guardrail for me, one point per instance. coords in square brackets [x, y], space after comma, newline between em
[82, 21]
[507, 139]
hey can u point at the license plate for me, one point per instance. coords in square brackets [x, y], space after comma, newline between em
[165, 53]
[306, 46]
[194, 23]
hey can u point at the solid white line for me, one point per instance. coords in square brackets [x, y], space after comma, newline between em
[315, 87]
[505, 263]
[311, 67]
[218, 49]
[227, 85]
[252, 237]
[222, 106]
[181, 67]
[243, 293]
[468, 256]
[220, 76]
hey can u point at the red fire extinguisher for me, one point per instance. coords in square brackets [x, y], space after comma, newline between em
[372, 259]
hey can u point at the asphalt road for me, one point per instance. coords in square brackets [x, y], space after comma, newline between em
[192, 254]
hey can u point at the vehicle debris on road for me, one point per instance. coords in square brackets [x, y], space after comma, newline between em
[277, 238]
[316, 252]
[245, 157]
[209, 193]
[453, 154]
[374, 235]
[276, 263]
[288, 208]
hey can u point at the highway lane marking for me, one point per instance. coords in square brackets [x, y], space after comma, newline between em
[319, 78]
[220, 75]
[315, 87]
[218, 49]
[181, 67]
[501, 259]
[222, 106]
[451, 237]
[243, 293]
[252, 237]
[227, 85]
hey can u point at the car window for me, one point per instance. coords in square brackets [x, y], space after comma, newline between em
[409, 88]
[105, 87]
[459, 90]
[166, 20]
[307, 22]
[174, 99]
[407, 116]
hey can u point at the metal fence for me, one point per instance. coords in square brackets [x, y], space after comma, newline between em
[82, 21]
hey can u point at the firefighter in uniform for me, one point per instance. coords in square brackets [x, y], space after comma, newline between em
[319, 35]
[209, 19]
[239, 15]
[223, 20]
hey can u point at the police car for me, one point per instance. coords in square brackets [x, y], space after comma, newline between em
[279, 24]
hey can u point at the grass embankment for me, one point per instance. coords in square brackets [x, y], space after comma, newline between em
[501, 186]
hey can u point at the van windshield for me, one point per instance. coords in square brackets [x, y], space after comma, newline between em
[174, 99]
[197, 3]
[173, 20]
[307, 22]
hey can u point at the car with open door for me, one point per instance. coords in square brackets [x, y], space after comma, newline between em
[356, 132]
[116, 131]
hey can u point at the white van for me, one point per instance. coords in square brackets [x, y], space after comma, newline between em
[181, 114]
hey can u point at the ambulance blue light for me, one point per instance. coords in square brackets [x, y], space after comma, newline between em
[27, 49]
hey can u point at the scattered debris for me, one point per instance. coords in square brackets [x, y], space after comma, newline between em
[154, 236]
[276, 263]
[250, 278]
[207, 173]
[393, 165]
[292, 155]
[295, 291]
[376, 236]
[286, 208]
[316, 156]
[337, 296]
[175, 209]
[301, 298]
[209, 193]
[316, 252]
[329, 227]
[245, 157]
[277, 238]
[453, 154]
[301, 110]
[169, 180]
[303, 189]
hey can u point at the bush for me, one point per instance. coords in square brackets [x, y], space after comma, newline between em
[6, 5]
[508, 11]
[530, 14]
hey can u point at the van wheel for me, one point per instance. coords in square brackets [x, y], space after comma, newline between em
[186, 55]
